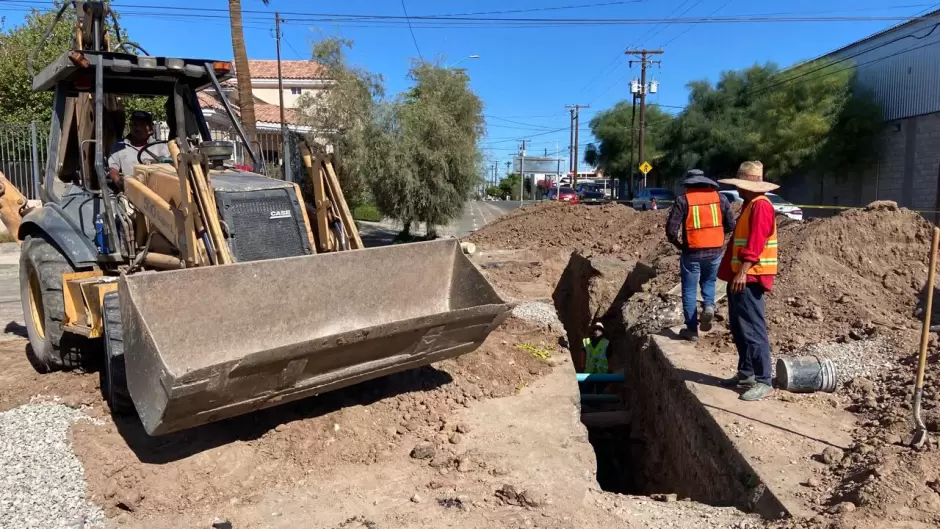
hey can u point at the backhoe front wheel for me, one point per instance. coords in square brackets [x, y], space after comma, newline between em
[41, 269]
[113, 376]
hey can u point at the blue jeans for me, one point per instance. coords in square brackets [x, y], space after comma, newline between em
[695, 272]
[749, 330]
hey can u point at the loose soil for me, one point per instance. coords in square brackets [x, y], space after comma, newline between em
[855, 277]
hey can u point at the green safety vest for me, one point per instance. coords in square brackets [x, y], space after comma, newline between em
[596, 356]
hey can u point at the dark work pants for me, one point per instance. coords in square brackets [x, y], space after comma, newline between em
[749, 330]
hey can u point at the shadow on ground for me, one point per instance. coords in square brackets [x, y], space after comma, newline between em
[251, 426]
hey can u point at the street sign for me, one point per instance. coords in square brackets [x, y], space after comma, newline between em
[645, 168]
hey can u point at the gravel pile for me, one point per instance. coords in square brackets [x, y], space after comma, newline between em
[541, 314]
[42, 483]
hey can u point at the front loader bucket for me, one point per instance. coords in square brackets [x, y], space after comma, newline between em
[207, 343]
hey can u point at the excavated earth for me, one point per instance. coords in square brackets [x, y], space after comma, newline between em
[851, 287]
[493, 439]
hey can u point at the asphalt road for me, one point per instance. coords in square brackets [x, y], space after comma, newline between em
[11, 312]
[475, 215]
[478, 214]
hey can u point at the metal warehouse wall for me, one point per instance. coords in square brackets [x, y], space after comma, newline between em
[900, 65]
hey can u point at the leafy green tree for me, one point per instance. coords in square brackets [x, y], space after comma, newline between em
[18, 102]
[808, 118]
[441, 120]
[616, 150]
[348, 116]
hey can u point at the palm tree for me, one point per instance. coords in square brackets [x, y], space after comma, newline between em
[246, 101]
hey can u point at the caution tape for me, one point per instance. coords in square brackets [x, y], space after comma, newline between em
[817, 206]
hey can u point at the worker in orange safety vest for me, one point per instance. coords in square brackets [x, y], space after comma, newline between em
[697, 224]
[749, 267]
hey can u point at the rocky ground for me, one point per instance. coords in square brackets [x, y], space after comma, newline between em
[492, 439]
[850, 288]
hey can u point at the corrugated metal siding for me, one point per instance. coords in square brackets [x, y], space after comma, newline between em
[904, 75]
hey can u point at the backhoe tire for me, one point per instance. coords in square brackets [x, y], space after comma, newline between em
[113, 375]
[41, 269]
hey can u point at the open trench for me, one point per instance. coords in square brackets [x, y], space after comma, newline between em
[666, 443]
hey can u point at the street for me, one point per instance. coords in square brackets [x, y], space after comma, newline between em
[476, 214]
[11, 312]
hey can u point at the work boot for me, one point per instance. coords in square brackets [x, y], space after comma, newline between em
[688, 334]
[705, 322]
[738, 381]
[758, 392]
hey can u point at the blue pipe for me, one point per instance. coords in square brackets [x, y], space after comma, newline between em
[600, 377]
[601, 397]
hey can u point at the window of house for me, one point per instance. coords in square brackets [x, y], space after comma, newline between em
[295, 91]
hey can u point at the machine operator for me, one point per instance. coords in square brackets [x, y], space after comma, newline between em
[124, 153]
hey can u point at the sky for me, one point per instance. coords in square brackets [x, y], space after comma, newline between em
[524, 75]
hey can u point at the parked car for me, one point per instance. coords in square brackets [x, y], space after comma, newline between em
[567, 194]
[644, 198]
[781, 205]
[593, 196]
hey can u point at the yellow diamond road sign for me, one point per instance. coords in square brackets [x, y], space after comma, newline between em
[645, 167]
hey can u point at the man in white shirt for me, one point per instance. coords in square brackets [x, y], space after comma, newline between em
[124, 153]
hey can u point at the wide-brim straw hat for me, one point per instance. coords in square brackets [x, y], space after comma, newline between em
[750, 177]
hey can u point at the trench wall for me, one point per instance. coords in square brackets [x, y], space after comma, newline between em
[673, 444]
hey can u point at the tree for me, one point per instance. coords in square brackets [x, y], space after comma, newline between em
[18, 102]
[616, 151]
[246, 99]
[441, 121]
[807, 118]
[349, 117]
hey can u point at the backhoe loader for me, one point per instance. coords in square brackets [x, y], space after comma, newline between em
[201, 289]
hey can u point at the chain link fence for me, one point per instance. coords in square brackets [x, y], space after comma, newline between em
[23, 155]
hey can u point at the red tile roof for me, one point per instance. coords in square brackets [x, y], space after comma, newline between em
[272, 114]
[267, 69]
[207, 101]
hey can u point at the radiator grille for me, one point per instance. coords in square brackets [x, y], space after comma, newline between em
[263, 224]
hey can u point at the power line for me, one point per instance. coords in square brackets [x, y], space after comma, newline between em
[690, 28]
[834, 72]
[411, 29]
[477, 21]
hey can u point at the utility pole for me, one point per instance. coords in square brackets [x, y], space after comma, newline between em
[576, 112]
[644, 62]
[285, 156]
[571, 143]
[632, 151]
[522, 172]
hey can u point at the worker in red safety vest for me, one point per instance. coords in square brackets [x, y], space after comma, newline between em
[698, 222]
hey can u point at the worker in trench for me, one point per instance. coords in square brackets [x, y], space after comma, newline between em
[595, 351]
[697, 224]
[749, 266]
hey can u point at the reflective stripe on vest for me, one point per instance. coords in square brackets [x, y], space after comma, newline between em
[703, 222]
[767, 264]
[596, 356]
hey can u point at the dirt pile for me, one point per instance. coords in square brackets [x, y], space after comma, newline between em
[611, 229]
[233, 461]
[849, 276]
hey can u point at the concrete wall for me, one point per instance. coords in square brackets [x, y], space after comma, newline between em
[907, 172]
[270, 96]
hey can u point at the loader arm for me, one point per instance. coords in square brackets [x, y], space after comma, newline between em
[12, 206]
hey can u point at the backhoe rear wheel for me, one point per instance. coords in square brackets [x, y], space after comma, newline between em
[113, 376]
[41, 269]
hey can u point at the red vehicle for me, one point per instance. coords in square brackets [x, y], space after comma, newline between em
[567, 194]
